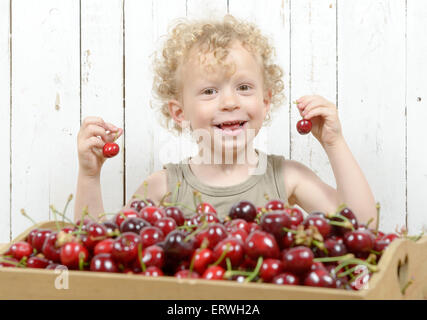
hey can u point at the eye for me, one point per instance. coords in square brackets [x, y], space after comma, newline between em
[244, 87]
[209, 91]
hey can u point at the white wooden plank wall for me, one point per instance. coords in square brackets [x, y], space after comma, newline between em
[70, 59]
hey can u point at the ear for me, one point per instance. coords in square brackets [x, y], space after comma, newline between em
[267, 101]
[176, 111]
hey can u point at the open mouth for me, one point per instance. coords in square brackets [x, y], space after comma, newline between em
[231, 125]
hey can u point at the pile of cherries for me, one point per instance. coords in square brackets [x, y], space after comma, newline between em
[273, 244]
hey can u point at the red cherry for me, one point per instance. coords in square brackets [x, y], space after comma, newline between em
[237, 224]
[205, 207]
[31, 235]
[37, 262]
[270, 268]
[214, 273]
[288, 240]
[346, 212]
[166, 225]
[11, 264]
[72, 253]
[186, 274]
[103, 262]
[382, 242]
[286, 278]
[150, 236]
[95, 233]
[121, 216]
[199, 218]
[110, 226]
[178, 248]
[138, 205]
[297, 217]
[110, 149]
[125, 247]
[50, 249]
[319, 265]
[253, 226]
[152, 272]
[320, 223]
[153, 256]
[304, 126]
[234, 249]
[239, 234]
[176, 214]
[243, 210]
[274, 205]
[20, 249]
[214, 233]
[274, 222]
[359, 241]
[104, 246]
[201, 259]
[298, 260]
[133, 224]
[319, 278]
[152, 214]
[39, 237]
[260, 243]
[335, 248]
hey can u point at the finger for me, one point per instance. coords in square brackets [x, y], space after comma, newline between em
[93, 120]
[322, 111]
[113, 136]
[94, 130]
[303, 105]
[92, 142]
[315, 103]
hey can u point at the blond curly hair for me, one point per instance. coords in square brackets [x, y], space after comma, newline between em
[211, 36]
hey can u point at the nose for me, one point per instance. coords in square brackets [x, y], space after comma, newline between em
[229, 101]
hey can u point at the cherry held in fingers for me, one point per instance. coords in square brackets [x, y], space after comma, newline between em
[304, 126]
[110, 149]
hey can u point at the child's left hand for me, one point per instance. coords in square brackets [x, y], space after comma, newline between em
[324, 118]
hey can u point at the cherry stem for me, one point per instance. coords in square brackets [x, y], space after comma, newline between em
[347, 272]
[24, 213]
[223, 254]
[266, 197]
[142, 264]
[369, 222]
[378, 206]
[56, 221]
[81, 260]
[70, 197]
[51, 207]
[320, 245]
[163, 198]
[358, 262]
[145, 192]
[198, 230]
[256, 271]
[347, 224]
[84, 213]
[197, 199]
[16, 264]
[290, 230]
[228, 262]
[230, 273]
[334, 259]
[179, 204]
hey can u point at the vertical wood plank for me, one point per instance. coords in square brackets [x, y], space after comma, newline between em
[371, 94]
[273, 18]
[145, 24]
[5, 120]
[45, 106]
[313, 56]
[200, 9]
[102, 83]
[416, 100]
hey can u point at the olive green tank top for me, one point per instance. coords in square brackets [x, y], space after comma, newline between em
[253, 189]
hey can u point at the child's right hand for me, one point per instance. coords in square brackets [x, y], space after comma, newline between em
[93, 134]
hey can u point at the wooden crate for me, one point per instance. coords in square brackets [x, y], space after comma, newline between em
[404, 260]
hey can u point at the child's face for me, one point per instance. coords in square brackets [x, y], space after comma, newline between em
[227, 103]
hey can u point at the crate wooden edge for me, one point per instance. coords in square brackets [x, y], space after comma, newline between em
[391, 256]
